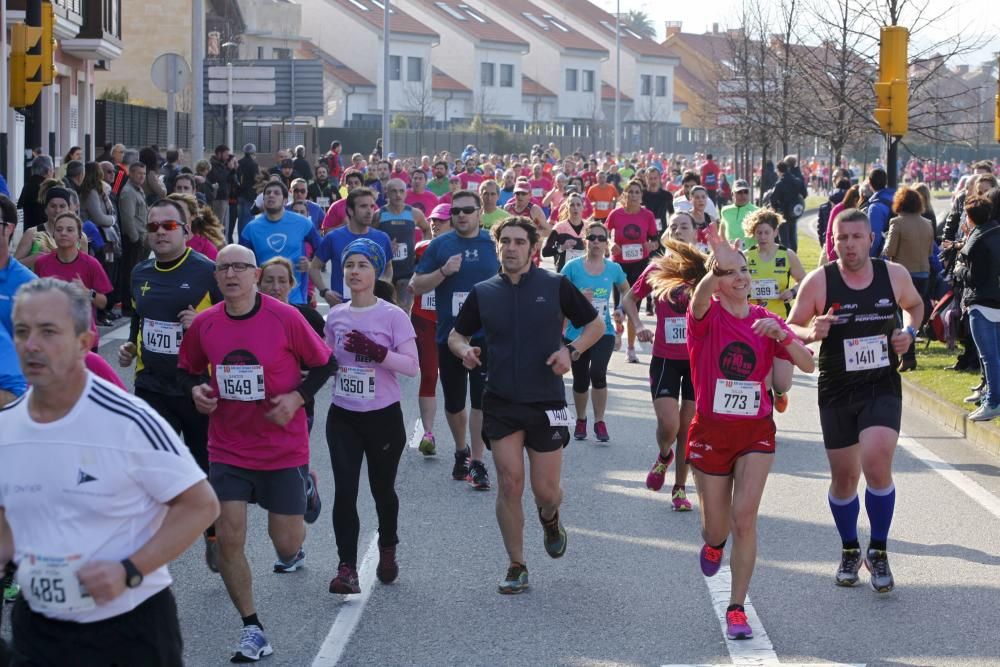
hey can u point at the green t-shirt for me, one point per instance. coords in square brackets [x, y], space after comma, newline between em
[626, 173]
[438, 187]
[732, 218]
[489, 219]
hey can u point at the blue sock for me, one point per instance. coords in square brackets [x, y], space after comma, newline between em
[880, 503]
[845, 515]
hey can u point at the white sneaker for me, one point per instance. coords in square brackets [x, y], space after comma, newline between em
[974, 397]
[632, 357]
[984, 413]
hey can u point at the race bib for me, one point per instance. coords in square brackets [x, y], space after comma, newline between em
[240, 383]
[865, 354]
[537, 192]
[428, 301]
[573, 253]
[764, 289]
[735, 397]
[601, 306]
[632, 252]
[602, 205]
[323, 201]
[401, 252]
[457, 299]
[49, 584]
[675, 330]
[162, 337]
[561, 417]
[355, 382]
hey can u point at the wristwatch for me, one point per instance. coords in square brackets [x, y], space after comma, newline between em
[133, 577]
[93, 294]
[912, 332]
[574, 354]
[322, 293]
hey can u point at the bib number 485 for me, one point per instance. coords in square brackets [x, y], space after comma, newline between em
[48, 589]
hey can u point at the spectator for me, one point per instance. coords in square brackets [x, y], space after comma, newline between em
[300, 194]
[170, 169]
[247, 171]
[768, 177]
[910, 242]
[710, 178]
[301, 166]
[222, 176]
[153, 187]
[925, 195]
[955, 218]
[95, 204]
[74, 153]
[789, 199]
[978, 268]
[105, 155]
[28, 202]
[73, 175]
[334, 168]
[879, 207]
[204, 186]
[132, 212]
[323, 190]
[824, 215]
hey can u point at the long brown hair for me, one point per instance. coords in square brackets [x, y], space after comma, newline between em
[623, 197]
[202, 219]
[682, 265]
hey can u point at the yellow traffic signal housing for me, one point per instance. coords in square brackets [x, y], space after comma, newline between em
[899, 118]
[24, 67]
[47, 44]
[892, 53]
[892, 89]
[883, 108]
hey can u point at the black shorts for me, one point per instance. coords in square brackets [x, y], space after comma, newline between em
[670, 378]
[842, 424]
[280, 491]
[183, 417]
[633, 270]
[502, 418]
[457, 380]
[148, 635]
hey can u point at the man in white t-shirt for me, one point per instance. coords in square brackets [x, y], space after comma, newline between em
[90, 522]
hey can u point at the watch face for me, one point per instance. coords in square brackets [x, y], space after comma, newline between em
[134, 580]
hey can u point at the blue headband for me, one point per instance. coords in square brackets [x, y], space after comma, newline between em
[371, 250]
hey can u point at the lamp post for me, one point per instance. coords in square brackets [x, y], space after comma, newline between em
[618, 77]
[385, 77]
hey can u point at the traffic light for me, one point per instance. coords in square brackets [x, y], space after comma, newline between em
[892, 88]
[996, 118]
[47, 44]
[24, 68]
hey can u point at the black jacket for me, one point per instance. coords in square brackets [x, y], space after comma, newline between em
[222, 177]
[786, 192]
[246, 177]
[34, 210]
[978, 267]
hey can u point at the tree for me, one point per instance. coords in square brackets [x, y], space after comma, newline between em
[639, 22]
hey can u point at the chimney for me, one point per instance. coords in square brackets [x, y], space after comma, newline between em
[735, 33]
[715, 28]
[673, 28]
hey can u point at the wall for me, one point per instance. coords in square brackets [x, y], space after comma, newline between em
[651, 107]
[578, 104]
[494, 101]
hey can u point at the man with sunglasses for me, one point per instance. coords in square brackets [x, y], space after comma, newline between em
[281, 233]
[523, 205]
[252, 347]
[400, 221]
[300, 195]
[450, 266]
[167, 292]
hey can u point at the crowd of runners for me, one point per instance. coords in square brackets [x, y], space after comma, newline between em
[495, 302]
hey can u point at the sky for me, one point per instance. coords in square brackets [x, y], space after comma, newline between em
[698, 17]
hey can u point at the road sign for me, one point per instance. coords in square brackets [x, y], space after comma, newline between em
[242, 85]
[241, 72]
[243, 99]
[170, 73]
[298, 87]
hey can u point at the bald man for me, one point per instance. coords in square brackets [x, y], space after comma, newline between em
[400, 221]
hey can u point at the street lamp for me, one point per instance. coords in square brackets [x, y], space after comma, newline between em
[618, 77]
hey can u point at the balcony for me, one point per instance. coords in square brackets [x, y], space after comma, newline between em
[100, 36]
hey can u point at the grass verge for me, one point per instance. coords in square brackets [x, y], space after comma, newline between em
[951, 386]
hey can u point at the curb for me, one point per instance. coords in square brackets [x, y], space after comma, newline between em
[982, 434]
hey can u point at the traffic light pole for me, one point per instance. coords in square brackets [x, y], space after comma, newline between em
[891, 160]
[33, 113]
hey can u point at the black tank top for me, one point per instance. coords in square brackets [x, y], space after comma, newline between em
[856, 360]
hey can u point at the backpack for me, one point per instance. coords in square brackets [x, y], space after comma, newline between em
[795, 208]
[823, 220]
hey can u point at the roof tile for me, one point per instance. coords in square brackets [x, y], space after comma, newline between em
[371, 12]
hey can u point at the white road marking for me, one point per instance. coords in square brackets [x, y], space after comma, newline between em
[415, 438]
[350, 612]
[958, 479]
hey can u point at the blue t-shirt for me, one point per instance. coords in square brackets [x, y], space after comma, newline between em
[283, 238]
[602, 285]
[11, 379]
[316, 212]
[93, 236]
[333, 246]
[12, 276]
[479, 263]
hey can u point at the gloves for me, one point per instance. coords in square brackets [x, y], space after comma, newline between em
[357, 342]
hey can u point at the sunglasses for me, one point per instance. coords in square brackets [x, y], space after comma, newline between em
[467, 210]
[167, 225]
[298, 190]
[595, 237]
[238, 267]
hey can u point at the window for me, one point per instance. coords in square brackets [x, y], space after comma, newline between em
[588, 81]
[571, 75]
[395, 68]
[534, 19]
[661, 86]
[646, 87]
[414, 69]
[468, 10]
[445, 7]
[281, 54]
[487, 75]
[506, 76]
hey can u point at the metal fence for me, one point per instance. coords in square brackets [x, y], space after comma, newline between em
[136, 126]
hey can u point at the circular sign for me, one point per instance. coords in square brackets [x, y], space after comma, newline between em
[170, 73]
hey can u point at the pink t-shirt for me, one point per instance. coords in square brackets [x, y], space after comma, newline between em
[362, 385]
[726, 355]
[670, 340]
[254, 358]
[95, 364]
[425, 201]
[84, 267]
[470, 181]
[539, 187]
[630, 231]
[201, 244]
[335, 216]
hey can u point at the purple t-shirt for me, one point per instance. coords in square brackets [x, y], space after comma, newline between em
[361, 384]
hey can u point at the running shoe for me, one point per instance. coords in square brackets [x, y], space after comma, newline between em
[212, 553]
[781, 401]
[461, 470]
[985, 413]
[737, 626]
[516, 580]
[601, 432]
[313, 504]
[253, 645]
[387, 569]
[619, 330]
[580, 432]
[555, 535]
[479, 478]
[633, 358]
[877, 562]
[654, 480]
[850, 563]
[711, 560]
[975, 397]
[346, 581]
[427, 446]
[680, 501]
[297, 561]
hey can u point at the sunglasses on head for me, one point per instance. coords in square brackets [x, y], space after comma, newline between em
[167, 225]
[468, 210]
[596, 237]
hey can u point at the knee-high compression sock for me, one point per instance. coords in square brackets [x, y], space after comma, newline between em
[880, 503]
[845, 515]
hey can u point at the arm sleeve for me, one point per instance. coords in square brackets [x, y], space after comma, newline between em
[100, 280]
[133, 326]
[574, 305]
[316, 377]
[468, 321]
[549, 249]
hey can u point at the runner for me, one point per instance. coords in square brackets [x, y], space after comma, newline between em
[336, 215]
[92, 555]
[252, 347]
[524, 406]
[40, 240]
[732, 345]
[523, 206]
[373, 341]
[733, 215]
[400, 221]
[669, 367]
[419, 197]
[772, 269]
[566, 242]
[634, 235]
[423, 317]
[489, 192]
[602, 196]
[596, 277]
[850, 305]
[449, 268]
